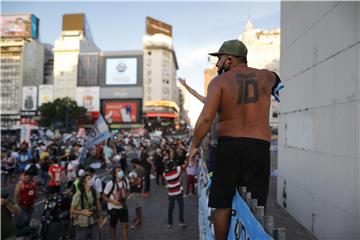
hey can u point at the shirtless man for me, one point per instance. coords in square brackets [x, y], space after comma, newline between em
[241, 96]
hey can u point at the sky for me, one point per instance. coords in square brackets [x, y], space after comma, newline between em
[198, 27]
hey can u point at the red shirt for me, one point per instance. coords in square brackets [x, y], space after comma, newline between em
[55, 173]
[27, 194]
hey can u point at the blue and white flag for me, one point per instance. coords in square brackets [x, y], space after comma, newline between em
[98, 134]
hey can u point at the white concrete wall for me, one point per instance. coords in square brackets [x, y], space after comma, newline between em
[320, 116]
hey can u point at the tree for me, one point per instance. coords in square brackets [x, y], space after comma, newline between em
[61, 113]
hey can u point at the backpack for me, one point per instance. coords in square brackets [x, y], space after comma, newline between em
[113, 187]
[93, 192]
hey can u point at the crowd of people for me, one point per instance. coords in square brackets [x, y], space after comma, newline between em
[110, 181]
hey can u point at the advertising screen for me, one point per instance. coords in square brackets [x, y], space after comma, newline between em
[121, 71]
[25, 25]
[122, 111]
[88, 97]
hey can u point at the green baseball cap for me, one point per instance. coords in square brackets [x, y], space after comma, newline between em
[232, 47]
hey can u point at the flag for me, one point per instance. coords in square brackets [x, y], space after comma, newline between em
[98, 134]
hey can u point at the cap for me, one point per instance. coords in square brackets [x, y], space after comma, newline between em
[81, 172]
[232, 47]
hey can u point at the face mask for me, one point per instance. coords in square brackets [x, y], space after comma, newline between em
[121, 174]
[222, 69]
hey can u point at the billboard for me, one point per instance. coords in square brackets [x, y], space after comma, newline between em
[29, 98]
[89, 98]
[22, 25]
[154, 26]
[45, 94]
[122, 111]
[121, 71]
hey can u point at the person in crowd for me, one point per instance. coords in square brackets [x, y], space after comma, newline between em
[86, 210]
[24, 156]
[8, 210]
[96, 181]
[243, 145]
[191, 166]
[175, 192]
[25, 195]
[136, 177]
[115, 194]
[56, 174]
[159, 166]
[146, 163]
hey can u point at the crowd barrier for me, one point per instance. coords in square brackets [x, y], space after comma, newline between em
[247, 218]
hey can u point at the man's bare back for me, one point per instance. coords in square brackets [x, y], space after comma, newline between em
[245, 102]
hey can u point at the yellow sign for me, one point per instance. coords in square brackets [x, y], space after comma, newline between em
[161, 103]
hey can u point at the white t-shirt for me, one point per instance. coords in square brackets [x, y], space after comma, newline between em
[121, 190]
[97, 184]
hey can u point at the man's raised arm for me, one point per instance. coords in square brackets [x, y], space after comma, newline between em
[192, 91]
[207, 115]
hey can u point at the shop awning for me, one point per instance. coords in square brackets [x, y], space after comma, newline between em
[164, 115]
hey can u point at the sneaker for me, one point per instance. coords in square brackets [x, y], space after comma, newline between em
[169, 226]
[182, 225]
[135, 225]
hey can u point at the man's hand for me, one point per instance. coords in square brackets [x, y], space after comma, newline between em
[116, 202]
[192, 154]
[86, 212]
[182, 81]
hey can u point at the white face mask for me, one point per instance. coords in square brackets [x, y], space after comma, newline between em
[121, 174]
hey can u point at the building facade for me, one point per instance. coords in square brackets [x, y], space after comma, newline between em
[22, 68]
[161, 94]
[319, 127]
[76, 57]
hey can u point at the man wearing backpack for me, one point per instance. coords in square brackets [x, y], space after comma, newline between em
[136, 181]
[115, 193]
[86, 210]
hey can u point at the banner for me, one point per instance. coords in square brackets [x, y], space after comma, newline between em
[45, 94]
[121, 111]
[89, 98]
[243, 226]
[29, 98]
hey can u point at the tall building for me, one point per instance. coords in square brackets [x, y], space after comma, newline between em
[263, 52]
[22, 68]
[76, 58]
[319, 127]
[160, 64]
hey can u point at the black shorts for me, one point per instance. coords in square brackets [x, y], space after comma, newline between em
[121, 214]
[240, 161]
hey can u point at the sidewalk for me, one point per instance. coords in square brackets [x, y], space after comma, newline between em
[155, 219]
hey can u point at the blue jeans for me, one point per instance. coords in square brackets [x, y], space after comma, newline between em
[84, 233]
